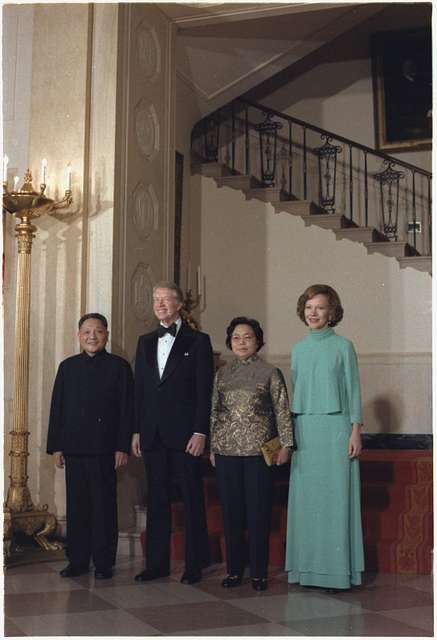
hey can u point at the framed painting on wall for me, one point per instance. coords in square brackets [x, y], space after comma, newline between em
[402, 89]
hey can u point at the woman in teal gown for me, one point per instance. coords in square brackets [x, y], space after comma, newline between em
[324, 533]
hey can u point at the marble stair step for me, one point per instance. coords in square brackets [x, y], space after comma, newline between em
[328, 221]
[420, 263]
[391, 249]
[239, 182]
[360, 234]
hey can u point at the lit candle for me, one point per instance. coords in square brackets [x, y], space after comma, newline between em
[5, 168]
[43, 170]
[68, 177]
[16, 181]
[199, 281]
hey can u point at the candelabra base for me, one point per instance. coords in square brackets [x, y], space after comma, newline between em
[37, 523]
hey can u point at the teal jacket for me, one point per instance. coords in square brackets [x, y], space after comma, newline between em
[325, 377]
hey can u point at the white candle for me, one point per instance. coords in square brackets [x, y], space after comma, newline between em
[68, 177]
[5, 168]
[199, 281]
[43, 170]
[16, 181]
[189, 275]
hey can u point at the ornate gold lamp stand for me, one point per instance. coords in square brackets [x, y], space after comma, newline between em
[20, 514]
[188, 307]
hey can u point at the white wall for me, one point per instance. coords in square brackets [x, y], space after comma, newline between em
[257, 263]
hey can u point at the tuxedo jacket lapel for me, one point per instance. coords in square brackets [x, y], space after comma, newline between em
[152, 355]
[181, 346]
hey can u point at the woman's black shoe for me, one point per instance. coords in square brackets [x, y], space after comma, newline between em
[232, 581]
[259, 584]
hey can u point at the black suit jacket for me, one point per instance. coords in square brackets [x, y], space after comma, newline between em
[178, 404]
[92, 405]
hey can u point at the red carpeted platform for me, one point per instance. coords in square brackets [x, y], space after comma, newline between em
[396, 509]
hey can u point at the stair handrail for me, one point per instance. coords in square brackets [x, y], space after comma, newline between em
[335, 136]
[388, 178]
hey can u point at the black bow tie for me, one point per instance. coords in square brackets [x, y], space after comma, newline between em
[172, 330]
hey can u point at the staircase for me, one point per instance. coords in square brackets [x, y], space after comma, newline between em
[366, 196]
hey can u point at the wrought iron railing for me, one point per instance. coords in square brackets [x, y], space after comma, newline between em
[306, 162]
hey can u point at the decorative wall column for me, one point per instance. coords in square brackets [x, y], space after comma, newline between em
[144, 192]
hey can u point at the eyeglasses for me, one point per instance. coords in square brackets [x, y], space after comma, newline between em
[245, 338]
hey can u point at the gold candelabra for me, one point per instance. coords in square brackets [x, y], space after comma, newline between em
[20, 514]
[189, 304]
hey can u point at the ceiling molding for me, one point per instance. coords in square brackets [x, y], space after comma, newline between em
[329, 30]
[252, 11]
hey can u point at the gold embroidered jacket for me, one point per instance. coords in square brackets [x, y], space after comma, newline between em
[249, 406]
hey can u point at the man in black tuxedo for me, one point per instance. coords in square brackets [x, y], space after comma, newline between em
[174, 373]
[90, 433]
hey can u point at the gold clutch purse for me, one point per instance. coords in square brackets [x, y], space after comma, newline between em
[269, 449]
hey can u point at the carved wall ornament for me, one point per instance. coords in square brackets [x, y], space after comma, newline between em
[141, 292]
[147, 128]
[148, 52]
[145, 210]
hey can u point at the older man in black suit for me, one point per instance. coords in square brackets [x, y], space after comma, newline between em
[90, 433]
[173, 381]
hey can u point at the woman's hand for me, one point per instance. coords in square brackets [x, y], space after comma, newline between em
[212, 459]
[283, 456]
[355, 446]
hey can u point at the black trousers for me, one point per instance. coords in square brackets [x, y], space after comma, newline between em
[163, 466]
[92, 528]
[246, 493]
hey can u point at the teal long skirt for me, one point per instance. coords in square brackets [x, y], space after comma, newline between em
[324, 533]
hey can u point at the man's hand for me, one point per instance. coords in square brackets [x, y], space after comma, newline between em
[283, 455]
[120, 459]
[355, 446]
[59, 459]
[135, 445]
[196, 445]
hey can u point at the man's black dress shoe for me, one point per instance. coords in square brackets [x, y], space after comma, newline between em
[147, 575]
[191, 578]
[232, 581]
[71, 572]
[103, 574]
[259, 584]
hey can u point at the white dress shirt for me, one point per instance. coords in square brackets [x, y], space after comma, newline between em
[165, 345]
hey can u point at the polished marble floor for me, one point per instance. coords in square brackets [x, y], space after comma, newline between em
[40, 603]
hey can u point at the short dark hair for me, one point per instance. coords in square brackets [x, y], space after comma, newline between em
[336, 310]
[259, 333]
[94, 316]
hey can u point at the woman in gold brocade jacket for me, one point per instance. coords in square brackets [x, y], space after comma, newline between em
[249, 407]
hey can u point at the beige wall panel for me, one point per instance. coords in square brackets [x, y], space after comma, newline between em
[57, 125]
[17, 86]
[102, 160]
[257, 263]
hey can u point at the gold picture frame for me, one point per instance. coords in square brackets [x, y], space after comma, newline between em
[402, 89]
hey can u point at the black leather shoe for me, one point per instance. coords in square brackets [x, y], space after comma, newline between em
[71, 572]
[232, 581]
[103, 574]
[259, 584]
[147, 575]
[191, 578]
